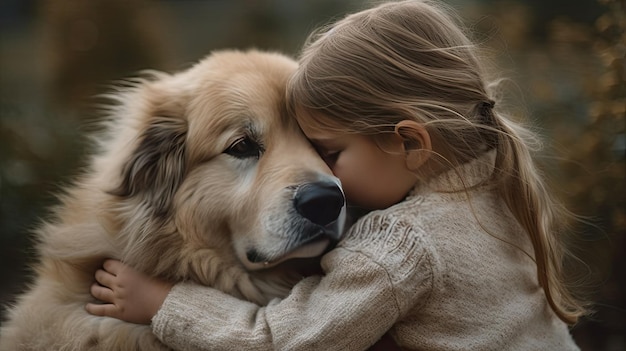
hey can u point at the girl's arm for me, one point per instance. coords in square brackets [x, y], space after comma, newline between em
[348, 309]
[366, 289]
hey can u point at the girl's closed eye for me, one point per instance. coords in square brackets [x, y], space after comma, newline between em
[330, 157]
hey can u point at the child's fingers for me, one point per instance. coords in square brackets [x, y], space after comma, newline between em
[102, 293]
[105, 278]
[112, 266]
[105, 310]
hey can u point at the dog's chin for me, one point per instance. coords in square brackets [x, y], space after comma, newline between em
[313, 241]
[312, 249]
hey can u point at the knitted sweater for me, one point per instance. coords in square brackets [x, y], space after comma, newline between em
[425, 269]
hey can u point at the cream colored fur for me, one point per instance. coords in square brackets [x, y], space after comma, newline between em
[164, 196]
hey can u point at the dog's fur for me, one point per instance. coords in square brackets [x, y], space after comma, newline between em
[194, 180]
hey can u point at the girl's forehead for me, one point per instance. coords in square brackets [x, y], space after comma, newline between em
[315, 122]
[317, 133]
[308, 114]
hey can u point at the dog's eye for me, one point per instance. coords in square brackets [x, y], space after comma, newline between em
[244, 148]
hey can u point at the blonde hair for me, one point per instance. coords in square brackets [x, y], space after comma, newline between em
[412, 60]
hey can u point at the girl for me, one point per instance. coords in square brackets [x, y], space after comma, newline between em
[462, 247]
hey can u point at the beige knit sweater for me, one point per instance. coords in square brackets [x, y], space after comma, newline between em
[425, 269]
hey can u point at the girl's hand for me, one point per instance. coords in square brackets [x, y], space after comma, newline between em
[127, 294]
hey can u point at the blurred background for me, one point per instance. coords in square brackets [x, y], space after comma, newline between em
[565, 60]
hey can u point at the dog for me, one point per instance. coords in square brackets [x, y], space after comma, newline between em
[200, 175]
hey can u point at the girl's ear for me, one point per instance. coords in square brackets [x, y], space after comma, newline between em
[416, 143]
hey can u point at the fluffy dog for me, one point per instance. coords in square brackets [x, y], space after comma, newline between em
[200, 176]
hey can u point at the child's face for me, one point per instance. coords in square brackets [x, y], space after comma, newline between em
[371, 178]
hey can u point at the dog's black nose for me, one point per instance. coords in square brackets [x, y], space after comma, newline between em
[319, 202]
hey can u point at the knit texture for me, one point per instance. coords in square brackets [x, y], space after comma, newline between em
[446, 269]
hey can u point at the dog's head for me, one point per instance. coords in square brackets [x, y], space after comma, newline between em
[207, 168]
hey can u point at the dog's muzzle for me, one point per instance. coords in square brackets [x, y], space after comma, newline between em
[321, 207]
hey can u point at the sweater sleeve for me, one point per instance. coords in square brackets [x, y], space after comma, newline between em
[366, 289]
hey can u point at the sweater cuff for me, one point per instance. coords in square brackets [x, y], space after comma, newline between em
[197, 317]
[170, 307]
[189, 307]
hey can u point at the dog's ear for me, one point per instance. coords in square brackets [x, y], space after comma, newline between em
[156, 168]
